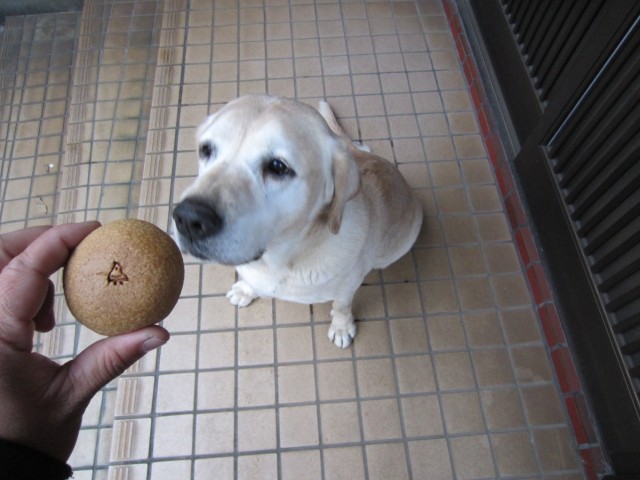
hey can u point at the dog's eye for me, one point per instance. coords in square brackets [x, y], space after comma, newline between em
[276, 167]
[207, 151]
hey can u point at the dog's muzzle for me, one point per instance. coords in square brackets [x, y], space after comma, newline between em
[196, 220]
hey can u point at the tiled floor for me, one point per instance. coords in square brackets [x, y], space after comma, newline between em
[448, 376]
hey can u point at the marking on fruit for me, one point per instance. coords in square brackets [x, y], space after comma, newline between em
[116, 275]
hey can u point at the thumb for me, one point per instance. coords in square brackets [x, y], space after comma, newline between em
[108, 358]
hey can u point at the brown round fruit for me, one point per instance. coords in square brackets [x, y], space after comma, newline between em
[123, 276]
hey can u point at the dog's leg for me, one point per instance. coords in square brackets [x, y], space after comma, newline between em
[343, 327]
[241, 294]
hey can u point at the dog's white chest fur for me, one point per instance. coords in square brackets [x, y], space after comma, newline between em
[324, 270]
[308, 286]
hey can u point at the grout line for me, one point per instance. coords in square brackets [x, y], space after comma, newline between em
[276, 405]
[314, 350]
[236, 449]
[197, 373]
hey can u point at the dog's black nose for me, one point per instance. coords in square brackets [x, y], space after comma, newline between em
[196, 219]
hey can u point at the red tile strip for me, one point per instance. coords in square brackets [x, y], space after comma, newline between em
[591, 452]
[551, 325]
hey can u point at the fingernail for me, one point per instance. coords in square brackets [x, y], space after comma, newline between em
[152, 343]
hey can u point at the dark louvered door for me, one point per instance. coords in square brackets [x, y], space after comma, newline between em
[570, 75]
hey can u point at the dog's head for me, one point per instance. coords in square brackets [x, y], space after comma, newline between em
[269, 169]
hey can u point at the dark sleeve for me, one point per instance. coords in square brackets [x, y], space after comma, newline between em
[18, 462]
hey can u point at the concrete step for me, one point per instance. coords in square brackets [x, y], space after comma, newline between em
[75, 104]
[109, 107]
[36, 59]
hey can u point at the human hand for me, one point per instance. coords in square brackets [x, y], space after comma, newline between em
[42, 402]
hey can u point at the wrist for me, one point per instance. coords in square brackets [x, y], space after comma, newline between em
[20, 462]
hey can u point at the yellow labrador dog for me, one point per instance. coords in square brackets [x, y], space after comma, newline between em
[284, 196]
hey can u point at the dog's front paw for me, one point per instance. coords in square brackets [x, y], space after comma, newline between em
[342, 337]
[342, 330]
[241, 294]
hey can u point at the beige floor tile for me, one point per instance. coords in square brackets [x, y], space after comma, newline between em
[408, 335]
[336, 380]
[514, 453]
[447, 376]
[432, 263]
[381, 419]
[483, 329]
[373, 339]
[223, 466]
[216, 390]
[295, 344]
[492, 367]
[256, 430]
[296, 384]
[288, 312]
[256, 387]
[542, 405]
[452, 200]
[167, 430]
[529, 365]
[340, 423]
[555, 449]
[263, 466]
[462, 413]
[454, 370]
[430, 459]
[171, 469]
[214, 433]
[216, 350]
[401, 270]
[376, 378]
[216, 313]
[260, 314]
[511, 291]
[301, 465]
[255, 347]
[415, 374]
[83, 456]
[336, 458]
[503, 408]
[475, 293]
[439, 296]
[446, 332]
[422, 416]
[175, 392]
[184, 317]
[493, 228]
[467, 260]
[298, 426]
[368, 302]
[324, 349]
[472, 457]
[403, 300]
[387, 461]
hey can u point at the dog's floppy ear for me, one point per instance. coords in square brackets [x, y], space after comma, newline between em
[346, 184]
[205, 125]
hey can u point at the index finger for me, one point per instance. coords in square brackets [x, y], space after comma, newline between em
[13, 243]
[24, 282]
[50, 251]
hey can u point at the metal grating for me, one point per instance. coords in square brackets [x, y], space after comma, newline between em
[549, 33]
[596, 160]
